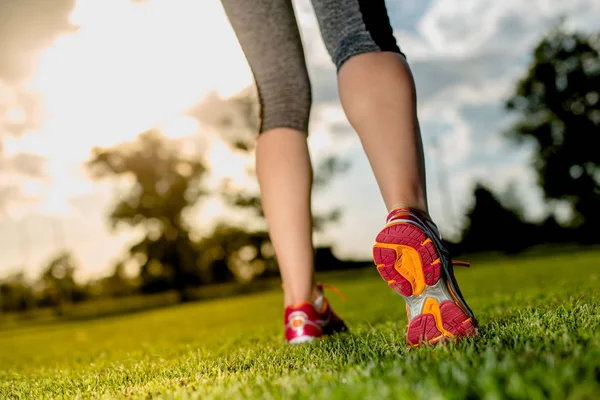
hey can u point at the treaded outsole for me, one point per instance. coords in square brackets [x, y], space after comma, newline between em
[409, 262]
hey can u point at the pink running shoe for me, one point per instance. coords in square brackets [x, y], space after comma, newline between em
[304, 323]
[410, 257]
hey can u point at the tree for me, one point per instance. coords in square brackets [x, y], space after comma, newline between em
[558, 101]
[117, 284]
[232, 252]
[57, 281]
[493, 227]
[16, 293]
[165, 184]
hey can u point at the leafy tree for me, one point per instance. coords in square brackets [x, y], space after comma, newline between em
[232, 252]
[559, 104]
[493, 227]
[165, 183]
[117, 284]
[16, 293]
[57, 281]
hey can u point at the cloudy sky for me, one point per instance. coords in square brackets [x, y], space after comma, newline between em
[80, 73]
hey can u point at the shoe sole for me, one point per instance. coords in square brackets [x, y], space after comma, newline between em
[409, 262]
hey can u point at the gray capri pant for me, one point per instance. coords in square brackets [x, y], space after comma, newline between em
[268, 34]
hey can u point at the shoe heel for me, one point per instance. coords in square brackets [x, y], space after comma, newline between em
[439, 322]
[406, 259]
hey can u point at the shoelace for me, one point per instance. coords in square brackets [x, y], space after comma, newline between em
[335, 290]
[325, 286]
[457, 263]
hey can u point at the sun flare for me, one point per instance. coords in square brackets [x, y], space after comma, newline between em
[127, 68]
[132, 66]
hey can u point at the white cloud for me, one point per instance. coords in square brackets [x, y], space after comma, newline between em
[457, 28]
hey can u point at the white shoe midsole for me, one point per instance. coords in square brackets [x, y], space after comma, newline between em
[439, 292]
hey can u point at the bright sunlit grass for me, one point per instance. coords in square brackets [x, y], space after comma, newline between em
[540, 338]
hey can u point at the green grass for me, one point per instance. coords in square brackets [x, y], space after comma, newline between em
[539, 338]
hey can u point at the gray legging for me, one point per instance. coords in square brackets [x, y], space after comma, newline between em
[268, 34]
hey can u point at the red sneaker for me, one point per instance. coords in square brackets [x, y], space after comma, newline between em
[304, 323]
[410, 256]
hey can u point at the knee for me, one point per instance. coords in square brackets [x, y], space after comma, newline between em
[285, 101]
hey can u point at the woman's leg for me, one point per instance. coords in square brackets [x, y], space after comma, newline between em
[377, 93]
[285, 177]
[392, 139]
[268, 33]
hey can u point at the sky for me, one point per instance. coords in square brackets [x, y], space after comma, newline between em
[75, 74]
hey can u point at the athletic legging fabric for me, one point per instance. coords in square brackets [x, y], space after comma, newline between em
[268, 34]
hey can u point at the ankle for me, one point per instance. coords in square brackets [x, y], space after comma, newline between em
[410, 213]
[317, 297]
[397, 212]
[418, 208]
[314, 294]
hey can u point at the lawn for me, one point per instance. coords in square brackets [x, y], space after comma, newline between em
[539, 339]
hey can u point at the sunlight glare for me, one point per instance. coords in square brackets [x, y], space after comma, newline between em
[179, 126]
[225, 164]
[16, 115]
[130, 66]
